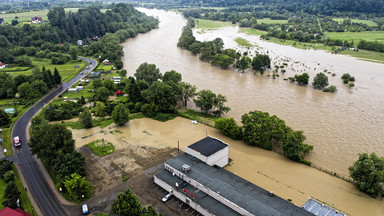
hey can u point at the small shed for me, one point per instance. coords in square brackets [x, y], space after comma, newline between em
[10, 110]
[210, 150]
[79, 42]
[72, 90]
[116, 82]
[95, 74]
[117, 78]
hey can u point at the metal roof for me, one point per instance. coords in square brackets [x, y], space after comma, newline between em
[208, 146]
[239, 191]
[320, 209]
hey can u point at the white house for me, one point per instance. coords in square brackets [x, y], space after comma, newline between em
[2, 65]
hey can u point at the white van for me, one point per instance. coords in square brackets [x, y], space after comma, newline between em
[84, 208]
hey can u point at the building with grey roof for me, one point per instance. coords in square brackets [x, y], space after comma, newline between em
[212, 190]
[320, 209]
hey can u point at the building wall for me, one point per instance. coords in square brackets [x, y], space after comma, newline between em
[182, 197]
[220, 158]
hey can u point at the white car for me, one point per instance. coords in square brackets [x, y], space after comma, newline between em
[16, 141]
[84, 208]
[167, 197]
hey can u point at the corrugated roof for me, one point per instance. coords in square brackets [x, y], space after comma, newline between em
[208, 146]
[243, 193]
[320, 209]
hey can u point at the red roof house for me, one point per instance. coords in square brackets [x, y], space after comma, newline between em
[13, 212]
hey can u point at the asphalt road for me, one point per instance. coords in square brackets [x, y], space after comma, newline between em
[38, 185]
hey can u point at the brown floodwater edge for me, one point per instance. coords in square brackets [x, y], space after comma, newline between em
[267, 169]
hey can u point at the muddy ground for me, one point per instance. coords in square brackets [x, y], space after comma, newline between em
[138, 163]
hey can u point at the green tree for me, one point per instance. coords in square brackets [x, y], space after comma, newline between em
[133, 90]
[66, 164]
[148, 72]
[320, 81]
[229, 127]
[77, 186]
[218, 45]
[14, 22]
[9, 176]
[172, 76]
[205, 100]
[163, 95]
[85, 118]
[219, 105]
[73, 52]
[222, 60]
[109, 84]
[127, 204]
[7, 87]
[120, 114]
[368, 174]
[5, 166]
[188, 92]
[97, 83]
[27, 92]
[302, 79]
[242, 64]
[56, 76]
[150, 109]
[293, 146]
[102, 94]
[11, 194]
[4, 118]
[100, 109]
[151, 211]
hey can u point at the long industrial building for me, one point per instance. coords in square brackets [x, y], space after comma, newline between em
[198, 179]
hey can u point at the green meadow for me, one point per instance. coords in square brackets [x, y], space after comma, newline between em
[368, 22]
[271, 21]
[357, 36]
[209, 24]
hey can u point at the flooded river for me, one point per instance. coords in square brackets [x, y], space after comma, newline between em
[339, 125]
[271, 171]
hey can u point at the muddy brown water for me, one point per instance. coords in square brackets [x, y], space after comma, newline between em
[340, 125]
[267, 169]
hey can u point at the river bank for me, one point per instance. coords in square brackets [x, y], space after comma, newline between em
[267, 169]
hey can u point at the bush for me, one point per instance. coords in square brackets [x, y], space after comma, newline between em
[345, 81]
[9, 176]
[150, 110]
[331, 88]
[351, 85]
[5, 166]
[352, 79]
[229, 127]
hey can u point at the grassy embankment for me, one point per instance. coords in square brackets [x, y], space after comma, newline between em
[101, 150]
[243, 42]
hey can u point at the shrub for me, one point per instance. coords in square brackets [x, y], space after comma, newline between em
[331, 88]
[352, 79]
[9, 176]
[5, 166]
[229, 127]
[345, 81]
[351, 85]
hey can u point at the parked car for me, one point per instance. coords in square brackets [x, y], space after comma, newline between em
[167, 197]
[84, 208]
[16, 141]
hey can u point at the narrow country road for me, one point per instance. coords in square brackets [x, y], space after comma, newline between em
[45, 198]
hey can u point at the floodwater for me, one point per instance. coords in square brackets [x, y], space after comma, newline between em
[339, 125]
[271, 171]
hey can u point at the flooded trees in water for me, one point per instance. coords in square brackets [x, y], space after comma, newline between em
[368, 174]
[320, 81]
[207, 100]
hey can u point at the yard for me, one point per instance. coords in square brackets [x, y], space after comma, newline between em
[67, 70]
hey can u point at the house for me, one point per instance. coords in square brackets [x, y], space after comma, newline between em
[106, 62]
[13, 212]
[94, 74]
[197, 178]
[320, 209]
[79, 88]
[119, 93]
[2, 65]
[2, 21]
[10, 110]
[36, 20]
[79, 42]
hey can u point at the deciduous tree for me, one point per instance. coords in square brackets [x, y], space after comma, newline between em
[120, 114]
[77, 186]
[127, 204]
[320, 81]
[85, 118]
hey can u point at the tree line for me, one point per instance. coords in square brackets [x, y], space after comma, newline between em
[214, 52]
[265, 131]
[116, 25]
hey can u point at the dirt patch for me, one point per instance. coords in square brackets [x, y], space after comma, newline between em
[108, 171]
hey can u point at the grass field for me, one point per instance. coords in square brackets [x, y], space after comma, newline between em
[243, 42]
[209, 24]
[67, 70]
[357, 36]
[368, 22]
[270, 21]
[103, 67]
[26, 16]
[101, 150]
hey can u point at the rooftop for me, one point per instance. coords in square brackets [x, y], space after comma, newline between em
[208, 146]
[243, 193]
[320, 209]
